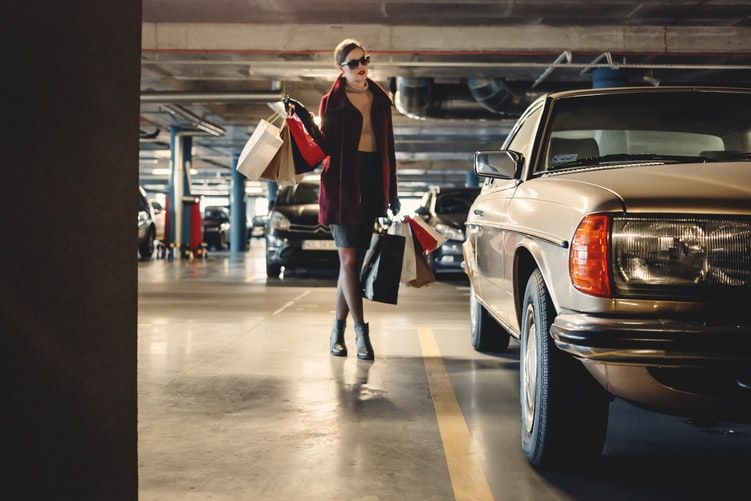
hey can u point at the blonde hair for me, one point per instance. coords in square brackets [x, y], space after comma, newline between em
[345, 47]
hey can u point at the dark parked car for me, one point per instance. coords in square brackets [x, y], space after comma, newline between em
[612, 237]
[446, 210]
[294, 239]
[216, 227]
[258, 226]
[146, 226]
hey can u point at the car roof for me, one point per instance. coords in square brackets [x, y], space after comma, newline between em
[640, 90]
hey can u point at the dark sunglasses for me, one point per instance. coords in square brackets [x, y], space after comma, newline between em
[353, 64]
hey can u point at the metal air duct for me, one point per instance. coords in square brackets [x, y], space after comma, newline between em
[480, 99]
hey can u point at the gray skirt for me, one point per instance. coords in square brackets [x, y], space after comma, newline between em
[353, 235]
[369, 179]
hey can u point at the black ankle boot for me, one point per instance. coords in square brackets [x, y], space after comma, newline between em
[362, 338]
[338, 348]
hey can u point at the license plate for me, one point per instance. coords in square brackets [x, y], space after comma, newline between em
[318, 245]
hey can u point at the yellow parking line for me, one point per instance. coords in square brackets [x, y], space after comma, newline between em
[467, 478]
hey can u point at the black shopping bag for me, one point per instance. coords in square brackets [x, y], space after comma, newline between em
[382, 268]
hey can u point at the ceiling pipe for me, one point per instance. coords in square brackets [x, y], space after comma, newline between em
[412, 96]
[166, 97]
[486, 65]
[205, 126]
[496, 96]
[422, 98]
[149, 136]
[564, 56]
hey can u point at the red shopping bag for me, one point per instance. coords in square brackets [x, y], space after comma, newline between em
[309, 152]
[428, 238]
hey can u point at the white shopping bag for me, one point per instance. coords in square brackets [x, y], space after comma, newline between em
[260, 149]
[409, 264]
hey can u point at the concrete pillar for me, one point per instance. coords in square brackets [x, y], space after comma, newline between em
[181, 159]
[271, 190]
[237, 210]
[68, 285]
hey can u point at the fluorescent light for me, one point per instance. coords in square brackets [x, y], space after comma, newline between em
[161, 172]
[193, 172]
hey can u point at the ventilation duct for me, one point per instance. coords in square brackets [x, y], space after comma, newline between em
[496, 96]
[481, 98]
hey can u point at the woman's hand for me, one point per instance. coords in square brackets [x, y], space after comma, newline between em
[395, 205]
[293, 106]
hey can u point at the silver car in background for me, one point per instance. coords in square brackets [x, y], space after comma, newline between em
[612, 237]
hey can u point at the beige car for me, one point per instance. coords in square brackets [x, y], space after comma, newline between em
[612, 237]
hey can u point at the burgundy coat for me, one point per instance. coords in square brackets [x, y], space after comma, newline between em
[341, 126]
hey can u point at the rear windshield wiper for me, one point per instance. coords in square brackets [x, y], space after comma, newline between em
[628, 157]
[744, 155]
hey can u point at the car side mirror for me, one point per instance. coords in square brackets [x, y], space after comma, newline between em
[421, 211]
[157, 206]
[503, 164]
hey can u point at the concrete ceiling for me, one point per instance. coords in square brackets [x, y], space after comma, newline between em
[202, 47]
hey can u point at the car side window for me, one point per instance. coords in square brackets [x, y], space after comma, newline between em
[522, 140]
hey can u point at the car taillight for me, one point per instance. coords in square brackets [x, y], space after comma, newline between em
[589, 263]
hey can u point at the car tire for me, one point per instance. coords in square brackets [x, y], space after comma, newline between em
[146, 248]
[564, 412]
[487, 333]
[273, 270]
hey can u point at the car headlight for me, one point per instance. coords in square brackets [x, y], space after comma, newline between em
[277, 221]
[680, 255]
[449, 232]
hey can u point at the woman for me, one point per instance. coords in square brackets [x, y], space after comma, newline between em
[358, 182]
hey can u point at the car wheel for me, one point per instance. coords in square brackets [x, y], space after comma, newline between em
[273, 270]
[487, 334]
[564, 412]
[146, 248]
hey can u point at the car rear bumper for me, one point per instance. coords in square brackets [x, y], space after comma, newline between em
[654, 342]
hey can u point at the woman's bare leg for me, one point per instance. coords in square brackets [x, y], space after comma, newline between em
[342, 310]
[348, 293]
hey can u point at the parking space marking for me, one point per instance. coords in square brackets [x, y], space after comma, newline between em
[465, 467]
[290, 303]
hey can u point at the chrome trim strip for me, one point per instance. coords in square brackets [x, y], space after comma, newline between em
[523, 231]
[503, 323]
[588, 168]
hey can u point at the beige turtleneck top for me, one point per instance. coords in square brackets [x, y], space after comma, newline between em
[363, 101]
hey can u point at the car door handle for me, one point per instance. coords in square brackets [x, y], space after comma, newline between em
[478, 212]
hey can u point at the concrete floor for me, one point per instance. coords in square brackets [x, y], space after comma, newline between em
[239, 399]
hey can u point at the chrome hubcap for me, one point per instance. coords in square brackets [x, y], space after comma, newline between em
[529, 371]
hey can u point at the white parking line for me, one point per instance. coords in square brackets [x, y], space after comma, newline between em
[290, 303]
